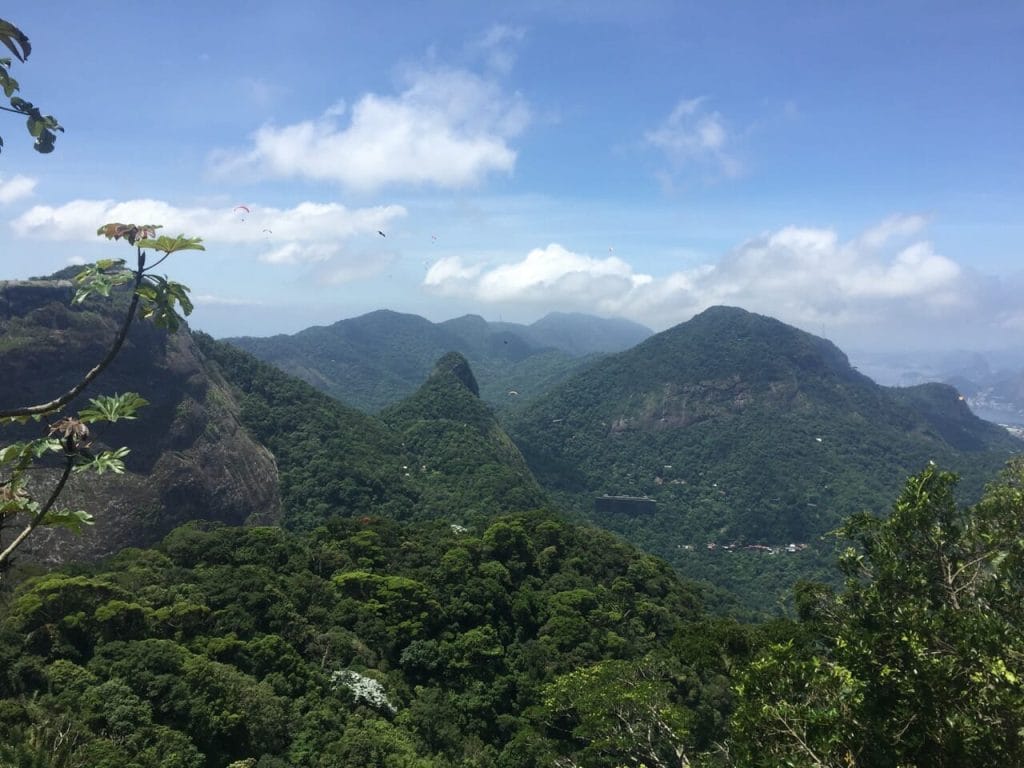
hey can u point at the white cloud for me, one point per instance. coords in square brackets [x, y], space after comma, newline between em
[546, 276]
[448, 128]
[805, 276]
[16, 188]
[299, 253]
[693, 135]
[309, 233]
[304, 224]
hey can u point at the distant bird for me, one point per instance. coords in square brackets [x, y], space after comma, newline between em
[381, 233]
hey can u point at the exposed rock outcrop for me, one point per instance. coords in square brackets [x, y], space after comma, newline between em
[190, 456]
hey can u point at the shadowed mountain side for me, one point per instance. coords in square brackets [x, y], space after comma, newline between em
[190, 457]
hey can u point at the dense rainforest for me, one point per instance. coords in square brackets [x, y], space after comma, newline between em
[525, 642]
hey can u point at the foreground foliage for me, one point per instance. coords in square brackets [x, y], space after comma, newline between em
[919, 660]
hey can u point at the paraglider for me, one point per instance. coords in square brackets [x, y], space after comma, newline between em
[242, 211]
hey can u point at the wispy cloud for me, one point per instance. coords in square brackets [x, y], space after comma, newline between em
[498, 46]
[212, 300]
[448, 128]
[16, 188]
[693, 135]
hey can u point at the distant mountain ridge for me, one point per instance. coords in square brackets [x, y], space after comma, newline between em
[374, 360]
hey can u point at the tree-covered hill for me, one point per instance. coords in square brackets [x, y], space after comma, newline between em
[747, 432]
[374, 360]
[464, 459]
[440, 454]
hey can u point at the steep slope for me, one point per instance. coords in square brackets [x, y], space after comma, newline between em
[462, 458]
[438, 455]
[746, 431]
[376, 359]
[190, 457]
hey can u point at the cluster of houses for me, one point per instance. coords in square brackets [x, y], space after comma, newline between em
[762, 548]
[645, 505]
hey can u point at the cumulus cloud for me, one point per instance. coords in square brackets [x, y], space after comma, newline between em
[448, 128]
[693, 135]
[309, 233]
[546, 274]
[16, 188]
[805, 276]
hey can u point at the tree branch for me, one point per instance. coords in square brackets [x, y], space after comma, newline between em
[37, 518]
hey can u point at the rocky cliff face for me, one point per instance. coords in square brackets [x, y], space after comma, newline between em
[190, 457]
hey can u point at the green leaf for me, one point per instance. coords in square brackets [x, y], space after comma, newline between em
[160, 298]
[112, 407]
[15, 40]
[106, 461]
[9, 84]
[73, 520]
[169, 245]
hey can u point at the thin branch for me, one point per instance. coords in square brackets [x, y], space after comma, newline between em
[38, 517]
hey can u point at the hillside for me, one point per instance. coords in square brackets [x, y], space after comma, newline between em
[372, 361]
[746, 431]
[438, 455]
[463, 458]
[190, 456]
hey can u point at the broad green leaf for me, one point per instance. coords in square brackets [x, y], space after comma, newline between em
[107, 461]
[73, 520]
[112, 407]
[168, 245]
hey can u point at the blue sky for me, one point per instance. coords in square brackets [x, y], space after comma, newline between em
[856, 169]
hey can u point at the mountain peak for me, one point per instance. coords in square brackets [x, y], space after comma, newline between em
[454, 365]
